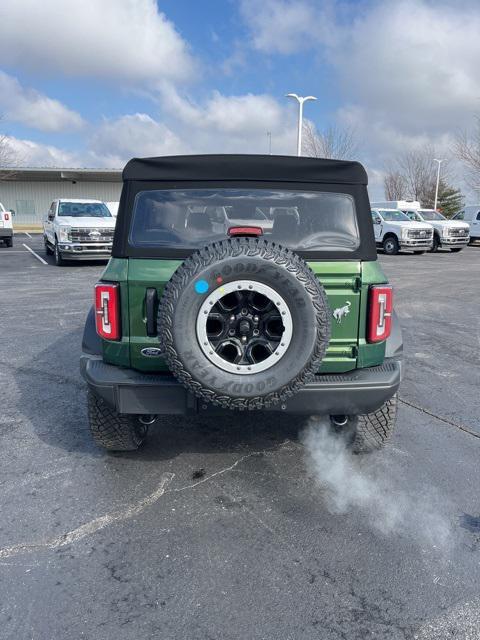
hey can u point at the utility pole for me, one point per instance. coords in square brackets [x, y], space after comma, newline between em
[269, 136]
[300, 100]
[438, 180]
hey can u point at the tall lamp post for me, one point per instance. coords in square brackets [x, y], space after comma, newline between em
[438, 180]
[300, 100]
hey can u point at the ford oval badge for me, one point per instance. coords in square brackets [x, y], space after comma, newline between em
[151, 352]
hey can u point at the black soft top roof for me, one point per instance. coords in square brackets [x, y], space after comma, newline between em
[245, 167]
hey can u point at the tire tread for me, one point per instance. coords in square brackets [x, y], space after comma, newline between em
[111, 430]
[374, 429]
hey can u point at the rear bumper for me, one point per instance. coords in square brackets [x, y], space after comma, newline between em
[6, 233]
[132, 392]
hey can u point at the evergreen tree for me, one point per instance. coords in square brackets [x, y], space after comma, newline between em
[450, 200]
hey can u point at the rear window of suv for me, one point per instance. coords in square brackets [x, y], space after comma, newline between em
[191, 218]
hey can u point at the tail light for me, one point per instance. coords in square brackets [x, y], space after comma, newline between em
[6, 216]
[380, 306]
[107, 311]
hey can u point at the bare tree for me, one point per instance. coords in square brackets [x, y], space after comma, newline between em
[467, 150]
[333, 142]
[413, 175]
[394, 185]
[418, 170]
[8, 156]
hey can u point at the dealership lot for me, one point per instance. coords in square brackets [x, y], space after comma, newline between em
[215, 529]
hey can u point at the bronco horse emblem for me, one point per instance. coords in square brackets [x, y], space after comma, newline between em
[341, 312]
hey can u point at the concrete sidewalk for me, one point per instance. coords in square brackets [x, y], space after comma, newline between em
[28, 227]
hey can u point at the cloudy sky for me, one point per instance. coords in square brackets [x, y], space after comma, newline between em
[96, 82]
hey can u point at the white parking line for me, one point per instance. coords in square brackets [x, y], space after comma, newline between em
[27, 234]
[35, 254]
[92, 526]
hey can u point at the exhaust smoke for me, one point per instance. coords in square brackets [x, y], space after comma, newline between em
[374, 486]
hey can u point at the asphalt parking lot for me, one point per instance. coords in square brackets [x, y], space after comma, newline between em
[218, 529]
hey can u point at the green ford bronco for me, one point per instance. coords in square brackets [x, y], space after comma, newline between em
[242, 282]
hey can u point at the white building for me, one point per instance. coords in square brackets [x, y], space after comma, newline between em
[29, 191]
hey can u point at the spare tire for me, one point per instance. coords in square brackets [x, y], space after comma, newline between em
[244, 323]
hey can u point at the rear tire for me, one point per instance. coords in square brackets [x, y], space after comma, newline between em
[391, 246]
[369, 432]
[9, 242]
[111, 430]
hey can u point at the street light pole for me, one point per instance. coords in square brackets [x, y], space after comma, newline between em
[438, 180]
[300, 100]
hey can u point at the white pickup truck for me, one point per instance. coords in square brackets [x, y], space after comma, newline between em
[6, 226]
[78, 230]
[394, 231]
[471, 216]
[447, 234]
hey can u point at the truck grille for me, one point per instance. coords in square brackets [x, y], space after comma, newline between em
[91, 235]
[458, 233]
[420, 233]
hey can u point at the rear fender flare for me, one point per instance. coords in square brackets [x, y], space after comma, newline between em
[91, 341]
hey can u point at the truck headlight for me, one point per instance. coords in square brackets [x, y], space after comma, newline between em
[64, 233]
[445, 232]
[405, 233]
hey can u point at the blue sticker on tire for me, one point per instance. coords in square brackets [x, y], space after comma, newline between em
[201, 286]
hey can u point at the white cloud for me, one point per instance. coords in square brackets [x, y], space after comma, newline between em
[407, 70]
[410, 74]
[410, 61]
[245, 114]
[231, 124]
[220, 124]
[117, 140]
[114, 39]
[380, 141]
[249, 114]
[34, 109]
[286, 26]
[413, 64]
[236, 62]
[28, 153]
